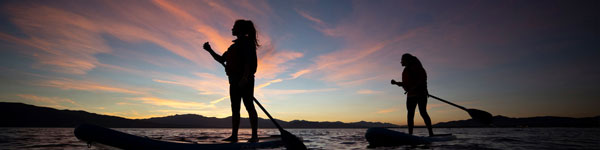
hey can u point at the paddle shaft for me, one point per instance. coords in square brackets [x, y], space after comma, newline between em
[445, 101]
[264, 110]
[269, 115]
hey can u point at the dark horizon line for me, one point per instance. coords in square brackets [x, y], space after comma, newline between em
[399, 126]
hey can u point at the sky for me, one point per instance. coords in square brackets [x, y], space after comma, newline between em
[318, 60]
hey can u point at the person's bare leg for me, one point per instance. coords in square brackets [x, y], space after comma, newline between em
[249, 104]
[424, 114]
[235, 113]
[411, 105]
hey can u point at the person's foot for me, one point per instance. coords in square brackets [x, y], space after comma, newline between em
[231, 139]
[253, 140]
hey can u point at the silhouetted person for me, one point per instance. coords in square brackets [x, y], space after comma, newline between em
[414, 82]
[240, 63]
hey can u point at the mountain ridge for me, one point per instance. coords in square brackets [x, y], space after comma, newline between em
[540, 121]
[35, 116]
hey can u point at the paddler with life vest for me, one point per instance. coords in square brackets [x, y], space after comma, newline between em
[240, 63]
[414, 82]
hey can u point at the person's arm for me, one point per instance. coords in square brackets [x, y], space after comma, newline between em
[216, 56]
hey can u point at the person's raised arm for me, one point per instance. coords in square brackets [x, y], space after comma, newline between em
[216, 56]
[396, 83]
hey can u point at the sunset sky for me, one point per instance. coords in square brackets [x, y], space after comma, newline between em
[318, 60]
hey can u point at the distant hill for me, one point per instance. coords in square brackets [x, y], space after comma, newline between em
[199, 121]
[546, 121]
[24, 115]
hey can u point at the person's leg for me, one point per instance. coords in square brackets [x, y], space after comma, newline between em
[234, 95]
[411, 105]
[422, 100]
[249, 104]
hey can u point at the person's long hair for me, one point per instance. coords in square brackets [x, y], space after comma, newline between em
[411, 61]
[247, 29]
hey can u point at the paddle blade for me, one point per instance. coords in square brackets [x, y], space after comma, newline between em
[481, 116]
[291, 142]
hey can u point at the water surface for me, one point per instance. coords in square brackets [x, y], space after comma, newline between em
[467, 138]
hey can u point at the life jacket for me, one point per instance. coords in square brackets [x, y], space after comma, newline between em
[240, 53]
[414, 81]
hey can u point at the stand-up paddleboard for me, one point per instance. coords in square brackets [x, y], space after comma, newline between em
[96, 134]
[385, 137]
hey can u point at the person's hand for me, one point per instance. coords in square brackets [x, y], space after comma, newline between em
[393, 82]
[207, 47]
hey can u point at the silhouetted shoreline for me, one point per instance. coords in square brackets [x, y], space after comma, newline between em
[542, 121]
[25, 115]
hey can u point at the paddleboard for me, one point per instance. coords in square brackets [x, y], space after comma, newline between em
[386, 137]
[105, 136]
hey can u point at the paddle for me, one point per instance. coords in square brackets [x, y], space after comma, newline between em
[478, 115]
[290, 141]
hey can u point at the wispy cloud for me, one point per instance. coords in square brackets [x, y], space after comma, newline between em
[267, 83]
[48, 100]
[300, 73]
[171, 103]
[68, 40]
[271, 63]
[311, 18]
[124, 103]
[204, 83]
[389, 110]
[363, 57]
[218, 100]
[64, 42]
[366, 91]
[285, 92]
[351, 65]
[69, 84]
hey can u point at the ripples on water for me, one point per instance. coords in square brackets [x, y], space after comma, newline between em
[467, 138]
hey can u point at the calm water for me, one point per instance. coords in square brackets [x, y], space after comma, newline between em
[467, 138]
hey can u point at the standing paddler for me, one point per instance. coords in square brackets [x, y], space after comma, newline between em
[240, 62]
[414, 82]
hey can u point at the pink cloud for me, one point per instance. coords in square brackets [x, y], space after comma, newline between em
[300, 73]
[271, 63]
[367, 91]
[171, 103]
[389, 110]
[352, 64]
[311, 18]
[48, 100]
[367, 55]
[286, 92]
[67, 40]
[267, 83]
[218, 100]
[69, 84]
[204, 83]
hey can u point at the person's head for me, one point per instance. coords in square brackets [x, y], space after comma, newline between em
[245, 28]
[410, 60]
